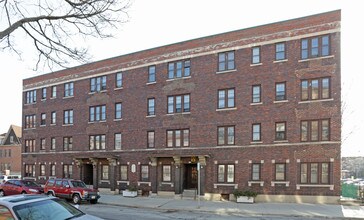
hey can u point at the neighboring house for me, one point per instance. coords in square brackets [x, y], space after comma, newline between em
[10, 151]
[257, 108]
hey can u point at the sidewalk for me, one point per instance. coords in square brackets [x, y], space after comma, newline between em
[256, 209]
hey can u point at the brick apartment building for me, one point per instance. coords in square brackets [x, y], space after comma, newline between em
[257, 108]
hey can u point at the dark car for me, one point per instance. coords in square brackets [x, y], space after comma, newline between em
[71, 189]
[14, 187]
[39, 207]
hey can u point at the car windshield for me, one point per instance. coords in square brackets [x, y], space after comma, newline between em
[54, 209]
[29, 183]
[78, 184]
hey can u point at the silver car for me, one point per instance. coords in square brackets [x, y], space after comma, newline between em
[39, 207]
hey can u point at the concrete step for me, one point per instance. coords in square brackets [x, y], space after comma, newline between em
[189, 194]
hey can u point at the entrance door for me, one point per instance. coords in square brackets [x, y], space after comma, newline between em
[191, 176]
[88, 175]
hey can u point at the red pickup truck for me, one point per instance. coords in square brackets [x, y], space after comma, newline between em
[70, 189]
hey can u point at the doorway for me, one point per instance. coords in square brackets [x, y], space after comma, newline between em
[190, 176]
[88, 174]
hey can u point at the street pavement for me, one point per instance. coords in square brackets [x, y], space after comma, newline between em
[324, 211]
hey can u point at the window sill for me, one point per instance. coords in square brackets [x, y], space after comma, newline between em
[95, 122]
[42, 125]
[105, 181]
[261, 183]
[167, 183]
[27, 129]
[226, 71]
[298, 186]
[181, 113]
[43, 100]
[122, 181]
[150, 116]
[280, 61]
[53, 124]
[96, 92]
[280, 101]
[146, 183]
[185, 77]
[120, 88]
[316, 58]
[117, 119]
[68, 97]
[273, 183]
[33, 103]
[256, 64]
[150, 83]
[256, 103]
[280, 141]
[53, 97]
[316, 100]
[226, 109]
[256, 142]
[67, 125]
[225, 184]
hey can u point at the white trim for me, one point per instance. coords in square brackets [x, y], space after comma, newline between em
[123, 181]
[146, 63]
[280, 61]
[280, 101]
[261, 183]
[117, 88]
[273, 183]
[167, 183]
[68, 97]
[256, 103]
[226, 71]
[226, 109]
[151, 83]
[256, 64]
[185, 77]
[225, 184]
[317, 100]
[150, 116]
[298, 186]
[316, 58]
[141, 182]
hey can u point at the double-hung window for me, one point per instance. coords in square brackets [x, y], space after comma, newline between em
[179, 69]
[68, 89]
[225, 173]
[226, 135]
[67, 143]
[280, 131]
[280, 51]
[31, 97]
[256, 55]
[43, 117]
[226, 98]
[98, 113]
[256, 132]
[256, 94]
[68, 117]
[119, 80]
[44, 93]
[97, 142]
[123, 172]
[315, 130]
[315, 47]
[315, 173]
[151, 106]
[179, 103]
[98, 84]
[54, 92]
[281, 91]
[144, 173]
[315, 89]
[151, 74]
[151, 139]
[280, 171]
[167, 176]
[117, 141]
[30, 121]
[118, 111]
[226, 61]
[256, 171]
[53, 118]
[105, 172]
[178, 138]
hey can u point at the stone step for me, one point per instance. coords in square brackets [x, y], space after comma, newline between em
[189, 194]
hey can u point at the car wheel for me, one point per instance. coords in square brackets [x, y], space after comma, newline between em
[23, 192]
[94, 201]
[2, 193]
[76, 199]
[50, 193]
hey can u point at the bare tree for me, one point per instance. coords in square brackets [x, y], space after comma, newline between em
[54, 26]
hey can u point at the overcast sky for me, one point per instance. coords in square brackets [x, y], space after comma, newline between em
[155, 23]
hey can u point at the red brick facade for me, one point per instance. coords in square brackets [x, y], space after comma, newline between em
[204, 117]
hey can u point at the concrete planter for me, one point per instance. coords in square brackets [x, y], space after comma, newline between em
[127, 193]
[245, 199]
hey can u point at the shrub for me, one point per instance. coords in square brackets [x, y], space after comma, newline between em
[249, 193]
